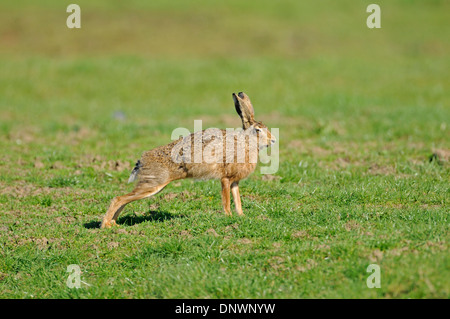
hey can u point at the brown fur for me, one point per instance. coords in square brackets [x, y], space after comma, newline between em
[162, 165]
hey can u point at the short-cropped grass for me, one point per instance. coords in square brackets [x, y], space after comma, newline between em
[363, 174]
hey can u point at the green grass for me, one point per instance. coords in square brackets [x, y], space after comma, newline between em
[360, 113]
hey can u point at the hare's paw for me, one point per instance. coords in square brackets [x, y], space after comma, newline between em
[108, 224]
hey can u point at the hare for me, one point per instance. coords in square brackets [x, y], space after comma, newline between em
[209, 154]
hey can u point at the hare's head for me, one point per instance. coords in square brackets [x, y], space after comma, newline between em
[245, 110]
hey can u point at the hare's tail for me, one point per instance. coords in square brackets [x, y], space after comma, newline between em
[135, 171]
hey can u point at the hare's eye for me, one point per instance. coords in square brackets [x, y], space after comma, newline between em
[258, 130]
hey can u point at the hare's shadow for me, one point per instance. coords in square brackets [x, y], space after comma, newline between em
[132, 219]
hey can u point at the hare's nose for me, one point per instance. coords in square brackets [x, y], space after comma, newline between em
[273, 141]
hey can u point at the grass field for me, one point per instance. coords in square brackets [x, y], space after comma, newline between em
[360, 114]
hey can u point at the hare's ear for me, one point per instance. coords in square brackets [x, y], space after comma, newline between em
[244, 108]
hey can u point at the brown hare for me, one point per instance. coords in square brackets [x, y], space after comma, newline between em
[227, 155]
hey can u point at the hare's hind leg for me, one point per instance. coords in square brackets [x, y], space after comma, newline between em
[119, 202]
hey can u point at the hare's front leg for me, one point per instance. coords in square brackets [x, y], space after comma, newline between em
[237, 198]
[226, 196]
